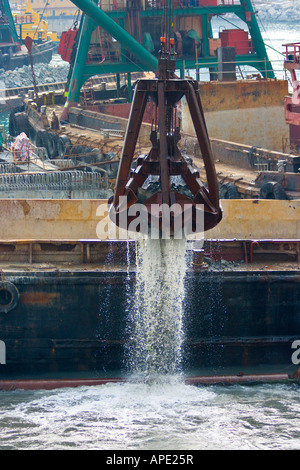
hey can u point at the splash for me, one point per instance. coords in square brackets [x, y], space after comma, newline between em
[156, 319]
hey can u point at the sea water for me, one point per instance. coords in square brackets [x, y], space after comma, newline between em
[158, 416]
[152, 414]
[154, 410]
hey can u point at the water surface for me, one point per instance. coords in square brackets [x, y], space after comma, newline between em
[162, 416]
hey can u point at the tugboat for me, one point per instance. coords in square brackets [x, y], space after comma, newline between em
[13, 53]
[33, 24]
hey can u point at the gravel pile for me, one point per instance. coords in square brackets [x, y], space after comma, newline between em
[45, 73]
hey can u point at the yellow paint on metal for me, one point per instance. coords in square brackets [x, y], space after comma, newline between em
[242, 94]
[258, 219]
[250, 112]
[87, 219]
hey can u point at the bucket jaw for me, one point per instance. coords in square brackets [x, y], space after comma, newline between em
[164, 191]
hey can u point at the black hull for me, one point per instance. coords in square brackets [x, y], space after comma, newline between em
[41, 53]
[72, 324]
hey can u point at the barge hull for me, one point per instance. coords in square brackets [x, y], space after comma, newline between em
[73, 283]
[72, 324]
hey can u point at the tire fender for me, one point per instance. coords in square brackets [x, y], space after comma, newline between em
[63, 146]
[12, 297]
[50, 140]
[272, 190]
[228, 191]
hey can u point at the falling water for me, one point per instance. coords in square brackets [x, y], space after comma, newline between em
[156, 319]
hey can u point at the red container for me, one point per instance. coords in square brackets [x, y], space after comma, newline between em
[209, 3]
[196, 3]
[236, 38]
[67, 41]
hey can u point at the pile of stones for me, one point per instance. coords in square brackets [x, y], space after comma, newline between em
[44, 73]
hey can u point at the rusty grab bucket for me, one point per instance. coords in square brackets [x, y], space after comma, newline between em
[151, 187]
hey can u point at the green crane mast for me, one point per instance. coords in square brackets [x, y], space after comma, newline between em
[125, 33]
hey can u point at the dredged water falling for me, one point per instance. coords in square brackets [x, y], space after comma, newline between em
[156, 319]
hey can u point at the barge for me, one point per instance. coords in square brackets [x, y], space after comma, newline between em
[65, 281]
[65, 287]
[246, 119]
[14, 53]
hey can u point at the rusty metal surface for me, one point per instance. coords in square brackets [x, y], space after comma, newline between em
[10, 385]
[82, 219]
[45, 332]
[245, 111]
[39, 384]
[90, 254]
[236, 379]
[165, 159]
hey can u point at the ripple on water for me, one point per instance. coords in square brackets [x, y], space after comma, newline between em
[152, 417]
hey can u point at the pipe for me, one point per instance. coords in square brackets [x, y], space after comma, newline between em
[94, 15]
[253, 244]
[11, 23]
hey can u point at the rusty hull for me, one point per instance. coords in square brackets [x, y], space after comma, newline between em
[68, 325]
[69, 328]
[8, 385]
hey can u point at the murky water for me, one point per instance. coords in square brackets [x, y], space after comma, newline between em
[152, 417]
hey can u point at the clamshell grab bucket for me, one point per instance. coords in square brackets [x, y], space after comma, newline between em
[165, 178]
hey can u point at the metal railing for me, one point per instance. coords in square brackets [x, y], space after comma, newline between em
[243, 71]
[58, 86]
[23, 19]
[113, 5]
[292, 52]
[54, 180]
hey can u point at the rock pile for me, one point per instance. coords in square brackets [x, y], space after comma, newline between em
[45, 73]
